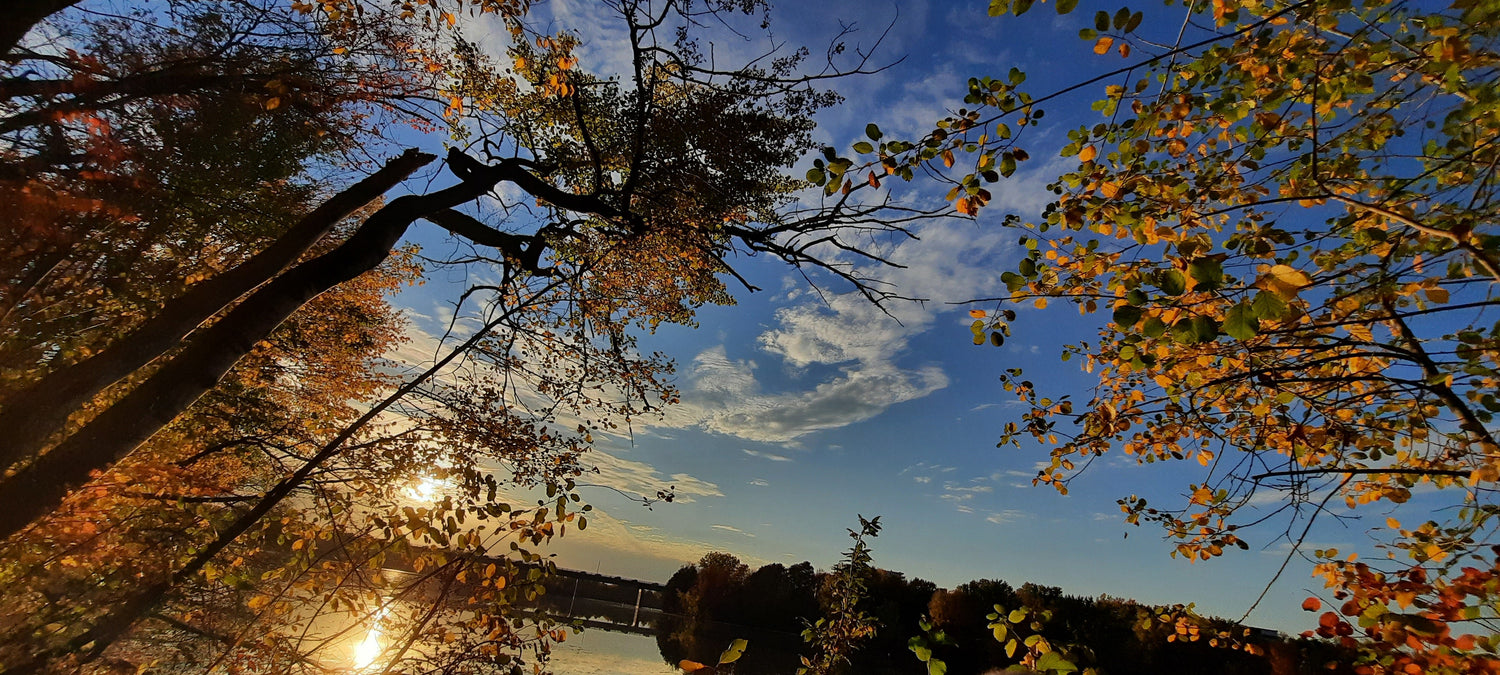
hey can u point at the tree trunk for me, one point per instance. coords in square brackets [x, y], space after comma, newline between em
[39, 487]
[122, 616]
[22, 16]
[34, 414]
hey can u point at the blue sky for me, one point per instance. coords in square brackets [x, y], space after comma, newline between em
[801, 410]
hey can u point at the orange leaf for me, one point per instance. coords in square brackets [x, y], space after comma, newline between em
[1087, 154]
[1312, 604]
[977, 313]
[1103, 44]
[691, 666]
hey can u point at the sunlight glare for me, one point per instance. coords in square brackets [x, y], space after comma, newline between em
[426, 490]
[366, 652]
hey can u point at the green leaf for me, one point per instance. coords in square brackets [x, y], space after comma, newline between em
[1154, 327]
[1268, 306]
[1027, 267]
[1194, 330]
[1121, 17]
[1000, 631]
[997, 339]
[999, 7]
[1134, 22]
[1126, 316]
[1010, 649]
[1101, 21]
[864, 148]
[873, 131]
[921, 650]
[1171, 282]
[937, 667]
[1054, 662]
[1007, 164]
[1240, 322]
[816, 176]
[1017, 615]
[1019, 7]
[1207, 272]
[1066, 6]
[734, 652]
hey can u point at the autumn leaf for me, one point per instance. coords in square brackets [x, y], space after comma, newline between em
[1284, 280]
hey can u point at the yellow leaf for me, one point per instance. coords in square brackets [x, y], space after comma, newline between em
[1436, 294]
[1285, 281]
[1087, 154]
[272, 103]
[690, 666]
[977, 313]
[1109, 189]
[1103, 44]
[1041, 303]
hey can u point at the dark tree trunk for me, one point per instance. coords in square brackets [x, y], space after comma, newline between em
[39, 487]
[22, 16]
[34, 414]
[44, 484]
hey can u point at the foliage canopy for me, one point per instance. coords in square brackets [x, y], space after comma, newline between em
[1287, 216]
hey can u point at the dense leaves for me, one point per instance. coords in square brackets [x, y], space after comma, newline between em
[230, 477]
[1288, 219]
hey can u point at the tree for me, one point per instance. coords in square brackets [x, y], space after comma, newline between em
[844, 627]
[1289, 218]
[637, 192]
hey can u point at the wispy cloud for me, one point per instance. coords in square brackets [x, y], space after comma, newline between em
[725, 398]
[1006, 516]
[759, 482]
[766, 455]
[639, 478]
[731, 528]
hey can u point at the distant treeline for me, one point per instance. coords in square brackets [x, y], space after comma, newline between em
[720, 599]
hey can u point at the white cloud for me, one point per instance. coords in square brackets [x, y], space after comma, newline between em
[766, 455]
[759, 482]
[731, 528]
[863, 344]
[638, 478]
[1006, 516]
[726, 399]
